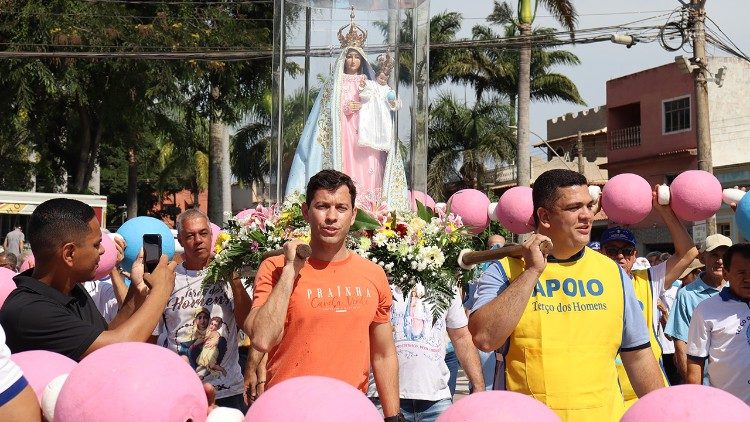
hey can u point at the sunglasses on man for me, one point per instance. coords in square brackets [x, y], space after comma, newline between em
[614, 251]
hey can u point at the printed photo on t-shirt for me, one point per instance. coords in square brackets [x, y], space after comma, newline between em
[202, 345]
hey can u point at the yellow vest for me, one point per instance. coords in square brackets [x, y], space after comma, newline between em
[562, 351]
[644, 294]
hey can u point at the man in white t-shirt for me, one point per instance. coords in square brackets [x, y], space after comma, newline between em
[18, 402]
[420, 344]
[667, 300]
[201, 326]
[719, 330]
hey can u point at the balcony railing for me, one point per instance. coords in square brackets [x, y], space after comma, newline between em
[624, 138]
[500, 175]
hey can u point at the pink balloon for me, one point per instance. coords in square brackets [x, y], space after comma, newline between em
[27, 263]
[472, 206]
[627, 198]
[313, 398]
[515, 210]
[695, 195]
[490, 406]
[688, 403]
[132, 382]
[41, 366]
[7, 284]
[422, 197]
[108, 260]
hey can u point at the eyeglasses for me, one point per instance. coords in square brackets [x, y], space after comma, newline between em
[614, 251]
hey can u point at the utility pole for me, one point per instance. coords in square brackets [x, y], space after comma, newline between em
[579, 147]
[703, 123]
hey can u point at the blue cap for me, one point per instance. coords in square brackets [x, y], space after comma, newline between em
[595, 245]
[618, 233]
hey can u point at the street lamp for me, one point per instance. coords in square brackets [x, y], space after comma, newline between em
[565, 163]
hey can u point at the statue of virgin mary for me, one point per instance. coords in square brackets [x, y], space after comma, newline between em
[331, 135]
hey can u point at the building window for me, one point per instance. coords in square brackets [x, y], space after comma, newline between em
[723, 228]
[676, 115]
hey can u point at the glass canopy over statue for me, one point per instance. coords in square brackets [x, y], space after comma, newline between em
[350, 127]
[356, 123]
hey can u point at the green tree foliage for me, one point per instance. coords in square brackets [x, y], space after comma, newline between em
[60, 115]
[463, 140]
[443, 29]
[495, 70]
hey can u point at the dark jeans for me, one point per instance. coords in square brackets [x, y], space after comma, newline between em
[419, 410]
[235, 402]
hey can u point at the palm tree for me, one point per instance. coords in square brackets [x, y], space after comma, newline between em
[254, 139]
[182, 147]
[463, 140]
[443, 28]
[566, 15]
[496, 69]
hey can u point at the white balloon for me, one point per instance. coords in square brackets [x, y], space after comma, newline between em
[663, 197]
[442, 205]
[491, 211]
[732, 195]
[595, 192]
[225, 414]
[49, 397]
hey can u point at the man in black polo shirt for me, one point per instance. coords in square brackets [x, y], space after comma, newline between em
[50, 309]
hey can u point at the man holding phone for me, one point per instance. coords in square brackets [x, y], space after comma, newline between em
[201, 325]
[50, 309]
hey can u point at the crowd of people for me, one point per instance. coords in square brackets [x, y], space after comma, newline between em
[584, 327]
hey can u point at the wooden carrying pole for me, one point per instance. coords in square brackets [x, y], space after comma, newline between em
[303, 252]
[516, 251]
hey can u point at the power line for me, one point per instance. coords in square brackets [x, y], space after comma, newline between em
[549, 39]
[143, 55]
[178, 2]
[204, 20]
[736, 47]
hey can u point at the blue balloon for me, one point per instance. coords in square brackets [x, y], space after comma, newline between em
[391, 95]
[134, 229]
[742, 216]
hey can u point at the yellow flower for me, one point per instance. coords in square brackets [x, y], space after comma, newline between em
[220, 239]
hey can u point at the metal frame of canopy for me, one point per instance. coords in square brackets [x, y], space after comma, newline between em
[410, 122]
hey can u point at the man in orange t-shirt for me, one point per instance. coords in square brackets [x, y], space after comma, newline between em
[328, 315]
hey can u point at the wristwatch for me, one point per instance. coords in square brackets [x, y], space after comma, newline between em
[397, 418]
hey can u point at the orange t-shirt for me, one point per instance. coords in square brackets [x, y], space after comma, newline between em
[327, 323]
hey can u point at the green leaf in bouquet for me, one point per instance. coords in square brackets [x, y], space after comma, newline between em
[423, 212]
[364, 221]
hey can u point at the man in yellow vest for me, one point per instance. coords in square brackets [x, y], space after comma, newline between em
[566, 315]
[619, 244]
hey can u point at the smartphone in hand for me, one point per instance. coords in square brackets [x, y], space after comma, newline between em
[151, 251]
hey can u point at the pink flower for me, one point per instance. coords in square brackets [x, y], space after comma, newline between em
[258, 216]
[373, 205]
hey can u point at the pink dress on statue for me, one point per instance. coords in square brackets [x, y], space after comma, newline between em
[363, 164]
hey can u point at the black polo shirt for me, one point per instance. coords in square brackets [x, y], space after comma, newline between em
[36, 316]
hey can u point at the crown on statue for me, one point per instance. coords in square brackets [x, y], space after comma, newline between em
[385, 63]
[355, 37]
